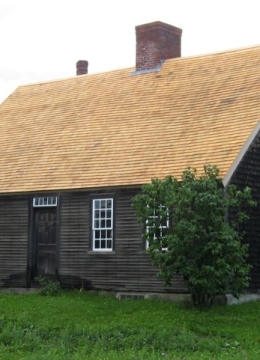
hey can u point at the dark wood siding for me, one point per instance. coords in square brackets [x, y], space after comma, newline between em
[13, 241]
[127, 268]
[248, 174]
[74, 237]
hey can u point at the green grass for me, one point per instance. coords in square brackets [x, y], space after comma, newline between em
[77, 326]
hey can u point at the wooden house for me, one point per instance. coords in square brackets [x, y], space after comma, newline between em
[74, 152]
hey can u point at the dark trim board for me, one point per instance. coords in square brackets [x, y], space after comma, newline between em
[30, 242]
[58, 235]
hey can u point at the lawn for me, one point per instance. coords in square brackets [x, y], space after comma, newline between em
[77, 326]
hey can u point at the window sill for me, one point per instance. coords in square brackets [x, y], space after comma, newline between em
[93, 252]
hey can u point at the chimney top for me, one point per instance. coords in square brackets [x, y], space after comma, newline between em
[82, 67]
[156, 42]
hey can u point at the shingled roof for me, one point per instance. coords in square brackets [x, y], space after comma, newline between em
[117, 129]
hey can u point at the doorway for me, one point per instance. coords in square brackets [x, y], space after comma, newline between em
[44, 257]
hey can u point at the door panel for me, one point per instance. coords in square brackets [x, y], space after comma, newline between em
[45, 258]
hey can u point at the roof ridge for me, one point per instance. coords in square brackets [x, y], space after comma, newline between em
[183, 58]
[75, 77]
[240, 49]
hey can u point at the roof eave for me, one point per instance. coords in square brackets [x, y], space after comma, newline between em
[240, 155]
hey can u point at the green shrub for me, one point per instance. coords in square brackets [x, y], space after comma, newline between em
[185, 224]
[49, 287]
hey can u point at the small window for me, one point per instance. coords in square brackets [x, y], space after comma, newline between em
[45, 201]
[102, 224]
[159, 231]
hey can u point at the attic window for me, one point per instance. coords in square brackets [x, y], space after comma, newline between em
[45, 201]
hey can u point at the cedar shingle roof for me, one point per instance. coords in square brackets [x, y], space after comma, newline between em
[113, 129]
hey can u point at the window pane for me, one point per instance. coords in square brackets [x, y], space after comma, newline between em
[102, 224]
[45, 201]
[157, 225]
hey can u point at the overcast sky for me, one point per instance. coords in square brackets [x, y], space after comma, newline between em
[41, 40]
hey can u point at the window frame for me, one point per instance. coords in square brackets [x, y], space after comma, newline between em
[166, 226]
[45, 201]
[106, 228]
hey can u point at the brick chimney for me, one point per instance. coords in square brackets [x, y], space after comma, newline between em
[156, 42]
[82, 67]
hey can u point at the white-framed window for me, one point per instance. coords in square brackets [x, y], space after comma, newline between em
[102, 224]
[45, 201]
[159, 232]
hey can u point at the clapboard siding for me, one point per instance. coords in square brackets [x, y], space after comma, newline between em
[248, 174]
[128, 230]
[13, 240]
[127, 267]
[74, 235]
[136, 264]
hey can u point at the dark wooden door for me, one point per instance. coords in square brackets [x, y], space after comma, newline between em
[45, 252]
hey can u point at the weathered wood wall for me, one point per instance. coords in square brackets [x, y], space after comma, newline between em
[248, 174]
[127, 268]
[13, 241]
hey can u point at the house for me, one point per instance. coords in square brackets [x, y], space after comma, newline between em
[74, 152]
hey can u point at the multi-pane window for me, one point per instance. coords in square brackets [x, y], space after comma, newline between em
[102, 224]
[157, 224]
[45, 201]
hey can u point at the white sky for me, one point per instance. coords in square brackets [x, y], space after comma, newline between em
[42, 40]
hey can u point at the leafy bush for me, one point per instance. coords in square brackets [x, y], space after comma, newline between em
[188, 232]
[49, 287]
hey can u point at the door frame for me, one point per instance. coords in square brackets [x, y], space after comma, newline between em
[31, 233]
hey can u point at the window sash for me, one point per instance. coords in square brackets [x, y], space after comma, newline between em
[45, 201]
[102, 224]
[161, 227]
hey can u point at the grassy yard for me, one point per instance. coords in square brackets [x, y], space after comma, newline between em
[91, 326]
